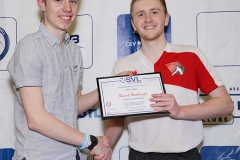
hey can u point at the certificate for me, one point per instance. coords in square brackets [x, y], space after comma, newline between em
[123, 96]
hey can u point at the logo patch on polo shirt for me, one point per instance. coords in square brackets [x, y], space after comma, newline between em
[176, 68]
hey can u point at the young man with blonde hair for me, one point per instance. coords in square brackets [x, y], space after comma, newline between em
[185, 70]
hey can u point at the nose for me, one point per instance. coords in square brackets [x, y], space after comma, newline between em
[67, 6]
[148, 18]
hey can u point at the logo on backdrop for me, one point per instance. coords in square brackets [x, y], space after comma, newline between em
[129, 42]
[4, 43]
[76, 39]
[224, 120]
[233, 89]
[220, 152]
[91, 113]
[81, 33]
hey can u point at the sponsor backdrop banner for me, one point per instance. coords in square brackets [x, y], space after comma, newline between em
[103, 32]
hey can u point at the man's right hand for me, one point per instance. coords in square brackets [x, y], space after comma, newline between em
[103, 150]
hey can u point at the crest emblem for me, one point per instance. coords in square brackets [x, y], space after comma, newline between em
[176, 68]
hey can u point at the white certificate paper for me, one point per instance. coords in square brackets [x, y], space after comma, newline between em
[122, 96]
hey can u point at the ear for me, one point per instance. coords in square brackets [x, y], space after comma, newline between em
[41, 4]
[166, 19]
[134, 28]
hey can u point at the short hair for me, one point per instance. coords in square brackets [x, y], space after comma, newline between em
[161, 1]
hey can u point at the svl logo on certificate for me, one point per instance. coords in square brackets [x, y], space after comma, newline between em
[123, 96]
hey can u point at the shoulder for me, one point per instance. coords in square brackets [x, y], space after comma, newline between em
[127, 63]
[30, 40]
[182, 48]
[130, 58]
[26, 49]
[31, 36]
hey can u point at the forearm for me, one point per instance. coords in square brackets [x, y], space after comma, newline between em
[51, 127]
[87, 101]
[41, 121]
[114, 129]
[209, 109]
[219, 104]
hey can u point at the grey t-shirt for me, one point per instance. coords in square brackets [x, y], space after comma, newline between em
[38, 60]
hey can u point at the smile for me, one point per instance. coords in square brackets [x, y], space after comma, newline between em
[149, 27]
[65, 17]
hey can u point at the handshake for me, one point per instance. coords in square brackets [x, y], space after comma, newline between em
[99, 147]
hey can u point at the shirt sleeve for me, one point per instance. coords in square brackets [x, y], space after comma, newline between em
[25, 66]
[207, 77]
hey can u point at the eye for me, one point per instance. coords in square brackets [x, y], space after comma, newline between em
[154, 12]
[140, 14]
[74, 1]
[58, 0]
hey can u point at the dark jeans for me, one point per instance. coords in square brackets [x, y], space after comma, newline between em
[77, 156]
[192, 154]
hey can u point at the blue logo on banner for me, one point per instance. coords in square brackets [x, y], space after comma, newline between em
[75, 38]
[4, 43]
[220, 152]
[6, 154]
[127, 41]
[91, 113]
